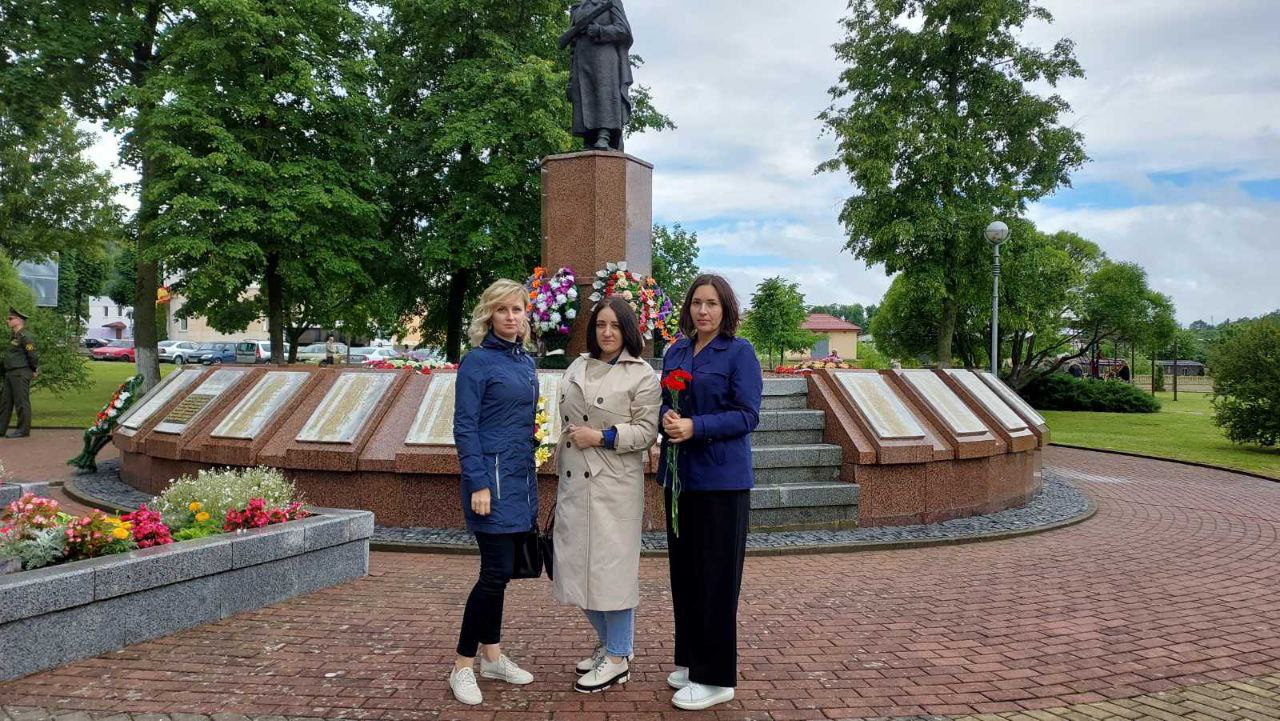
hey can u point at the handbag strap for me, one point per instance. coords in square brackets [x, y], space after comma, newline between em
[550, 525]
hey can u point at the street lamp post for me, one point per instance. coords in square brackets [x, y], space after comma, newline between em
[996, 233]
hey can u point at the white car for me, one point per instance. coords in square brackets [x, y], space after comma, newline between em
[177, 351]
[368, 354]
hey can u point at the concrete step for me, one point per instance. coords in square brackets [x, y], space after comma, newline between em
[773, 403]
[761, 439]
[795, 456]
[810, 505]
[786, 386]
[791, 420]
[790, 476]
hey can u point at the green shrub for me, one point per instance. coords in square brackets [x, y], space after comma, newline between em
[44, 547]
[1246, 382]
[1062, 392]
[221, 490]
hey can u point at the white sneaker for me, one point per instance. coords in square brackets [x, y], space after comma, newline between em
[504, 669]
[463, 684]
[678, 678]
[604, 675]
[696, 697]
[591, 661]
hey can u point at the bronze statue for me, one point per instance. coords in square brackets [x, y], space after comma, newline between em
[599, 72]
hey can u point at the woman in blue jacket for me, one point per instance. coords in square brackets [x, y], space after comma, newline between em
[718, 411]
[496, 399]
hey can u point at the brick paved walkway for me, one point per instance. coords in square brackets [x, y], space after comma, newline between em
[1173, 584]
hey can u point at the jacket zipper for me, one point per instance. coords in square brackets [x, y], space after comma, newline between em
[497, 474]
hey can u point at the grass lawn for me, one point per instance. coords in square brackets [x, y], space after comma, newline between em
[77, 409]
[1182, 430]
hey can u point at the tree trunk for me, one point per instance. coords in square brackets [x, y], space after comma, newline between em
[295, 335]
[458, 282]
[946, 331]
[275, 309]
[144, 290]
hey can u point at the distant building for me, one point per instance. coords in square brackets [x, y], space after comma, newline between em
[1185, 367]
[836, 336]
[108, 320]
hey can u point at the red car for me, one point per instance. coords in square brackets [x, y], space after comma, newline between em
[118, 350]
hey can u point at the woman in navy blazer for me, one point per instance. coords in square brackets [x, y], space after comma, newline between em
[496, 398]
[718, 411]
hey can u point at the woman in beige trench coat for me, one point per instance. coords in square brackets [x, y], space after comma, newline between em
[609, 404]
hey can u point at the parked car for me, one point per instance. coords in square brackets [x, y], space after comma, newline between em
[178, 351]
[255, 351]
[368, 354]
[425, 355]
[315, 353]
[214, 353]
[121, 350]
[92, 343]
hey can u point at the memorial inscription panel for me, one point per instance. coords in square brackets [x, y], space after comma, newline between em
[1012, 398]
[433, 424]
[988, 398]
[959, 418]
[163, 393]
[190, 408]
[346, 408]
[251, 414]
[889, 417]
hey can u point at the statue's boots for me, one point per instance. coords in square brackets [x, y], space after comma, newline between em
[603, 139]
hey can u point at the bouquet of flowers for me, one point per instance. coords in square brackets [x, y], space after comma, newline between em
[833, 362]
[417, 366]
[97, 435]
[552, 303]
[544, 443]
[674, 382]
[651, 304]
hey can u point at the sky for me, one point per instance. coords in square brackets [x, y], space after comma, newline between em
[1180, 111]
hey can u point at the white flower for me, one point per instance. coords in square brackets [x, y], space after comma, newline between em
[598, 284]
[561, 300]
[626, 294]
[611, 267]
[622, 265]
[571, 314]
[573, 294]
[124, 395]
[595, 297]
[555, 318]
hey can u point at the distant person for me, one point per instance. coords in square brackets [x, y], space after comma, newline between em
[20, 368]
[1075, 370]
[330, 351]
[1124, 373]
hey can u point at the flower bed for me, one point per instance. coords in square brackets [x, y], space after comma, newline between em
[833, 362]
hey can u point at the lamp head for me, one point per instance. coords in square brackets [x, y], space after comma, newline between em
[996, 233]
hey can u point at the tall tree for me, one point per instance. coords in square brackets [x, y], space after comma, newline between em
[97, 55]
[675, 260]
[475, 91]
[773, 324]
[939, 133]
[260, 141]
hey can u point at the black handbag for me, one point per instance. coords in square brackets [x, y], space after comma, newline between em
[547, 544]
[535, 551]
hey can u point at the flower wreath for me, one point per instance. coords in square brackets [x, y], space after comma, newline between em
[97, 434]
[651, 304]
[552, 301]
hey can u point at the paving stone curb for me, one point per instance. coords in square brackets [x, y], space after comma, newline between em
[1196, 464]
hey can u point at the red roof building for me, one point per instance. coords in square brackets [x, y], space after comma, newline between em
[838, 337]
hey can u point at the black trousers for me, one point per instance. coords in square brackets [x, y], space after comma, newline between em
[482, 618]
[706, 578]
[15, 394]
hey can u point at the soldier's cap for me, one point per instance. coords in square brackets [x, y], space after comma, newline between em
[15, 313]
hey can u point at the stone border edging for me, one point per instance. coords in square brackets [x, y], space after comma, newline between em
[1057, 505]
[58, 614]
[1148, 457]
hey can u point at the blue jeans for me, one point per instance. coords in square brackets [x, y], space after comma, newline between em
[616, 629]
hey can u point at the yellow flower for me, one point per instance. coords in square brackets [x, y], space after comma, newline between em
[194, 507]
[120, 532]
[202, 516]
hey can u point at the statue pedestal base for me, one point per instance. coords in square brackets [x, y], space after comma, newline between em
[597, 208]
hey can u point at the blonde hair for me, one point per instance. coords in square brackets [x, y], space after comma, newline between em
[490, 299]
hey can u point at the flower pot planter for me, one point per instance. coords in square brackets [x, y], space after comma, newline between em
[55, 615]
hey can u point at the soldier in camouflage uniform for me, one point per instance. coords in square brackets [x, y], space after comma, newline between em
[20, 368]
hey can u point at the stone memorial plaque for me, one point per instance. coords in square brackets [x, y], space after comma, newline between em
[889, 417]
[158, 397]
[345, 408]
[988, 398]
[959, 418]
[549, 388]
[1011, 397]
[251, 414]
[433, 425]
[190, 408]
